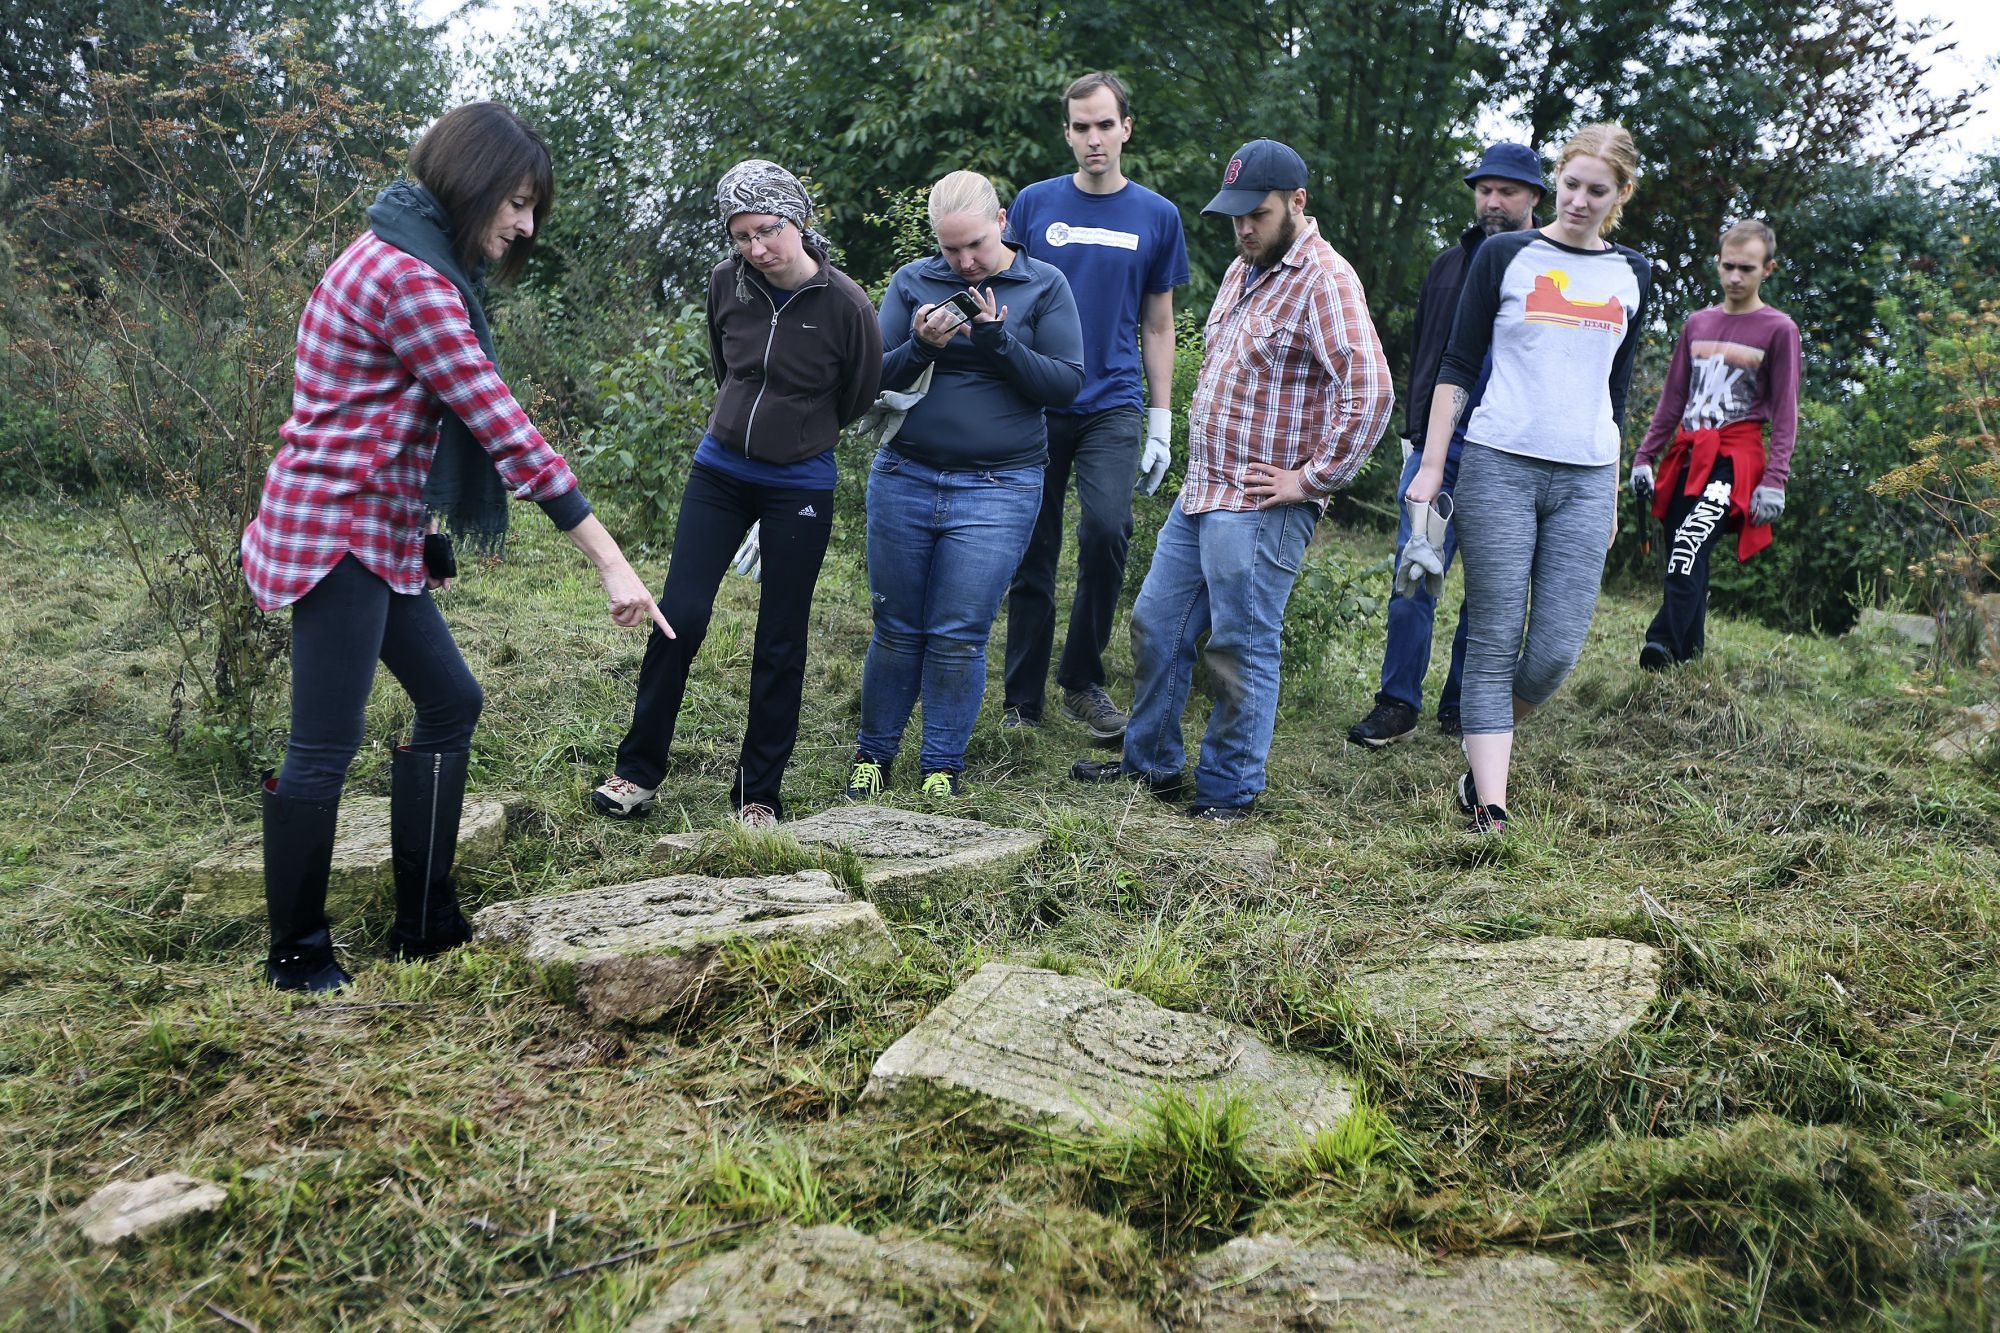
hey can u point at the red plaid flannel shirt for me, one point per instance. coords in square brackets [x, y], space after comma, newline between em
[1293, 376]
[385, 345]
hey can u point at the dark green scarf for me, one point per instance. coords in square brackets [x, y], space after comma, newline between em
[463, 485]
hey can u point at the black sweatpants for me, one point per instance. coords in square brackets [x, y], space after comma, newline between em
[1693, 526]
[716, 511]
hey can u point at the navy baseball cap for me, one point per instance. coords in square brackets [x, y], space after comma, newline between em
[1512, 162]
[1256, 169]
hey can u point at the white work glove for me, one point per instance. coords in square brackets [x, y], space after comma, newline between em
[1766, 504]
[1642, 482]
[749, 557]
[1158, 454]
[1408, 448]
[1421, 565]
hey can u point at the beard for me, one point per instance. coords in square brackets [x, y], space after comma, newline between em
[1273, 249]
[1493, 223]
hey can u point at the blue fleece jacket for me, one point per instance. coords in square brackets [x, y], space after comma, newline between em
[984, 408]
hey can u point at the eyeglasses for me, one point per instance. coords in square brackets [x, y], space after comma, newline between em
[767, 234]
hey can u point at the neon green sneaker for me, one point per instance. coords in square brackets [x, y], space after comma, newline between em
[941, 784]
[865, 779]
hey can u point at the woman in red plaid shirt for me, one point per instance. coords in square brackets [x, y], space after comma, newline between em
[398, 412]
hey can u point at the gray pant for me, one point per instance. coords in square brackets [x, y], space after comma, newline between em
[1532, 536]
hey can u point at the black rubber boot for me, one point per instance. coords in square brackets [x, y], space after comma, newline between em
[298, 856]
[426, 797]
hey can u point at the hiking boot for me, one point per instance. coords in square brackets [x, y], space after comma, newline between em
[756, 817]
[426, 798]
[620, 798]
[1655, 657]
[1219, 814]
[866, 778]
[1388, 722]
[1488, 819]
[1093, 708]
[1467, 794]
[1113, 770]
[1450, 722]
[943, 783]
[1014, 719]
[298, 859]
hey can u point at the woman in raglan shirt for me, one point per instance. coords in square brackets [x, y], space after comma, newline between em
[952, 499]
[398, 411]
[796, 355]
[1735, 367]
[1559, 309]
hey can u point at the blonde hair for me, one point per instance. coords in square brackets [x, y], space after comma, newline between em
[1751, 229]
[1609, 141]
[963, 192]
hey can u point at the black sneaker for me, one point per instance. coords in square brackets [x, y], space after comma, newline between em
[1450, 723]
[1488, 819]
[1390, 722]
[940, 784]
[1113, 770]
[1655, 657]
[865, 778]
[1014, 719]
[1219, 814]
[1467, 794]
[1093, 708]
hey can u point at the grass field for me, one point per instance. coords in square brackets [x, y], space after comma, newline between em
[1802, 1134]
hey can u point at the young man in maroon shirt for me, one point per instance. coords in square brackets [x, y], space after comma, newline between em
[1735, 369]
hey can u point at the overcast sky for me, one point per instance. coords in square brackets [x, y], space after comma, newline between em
[1975, 25]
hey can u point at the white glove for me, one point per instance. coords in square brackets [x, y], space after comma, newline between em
[1420, 566]
[749, 557]
[1642, 482]
[1408, 448]
[1766, 504]
[1158, 454]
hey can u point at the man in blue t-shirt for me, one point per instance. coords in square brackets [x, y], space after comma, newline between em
[1122, 249]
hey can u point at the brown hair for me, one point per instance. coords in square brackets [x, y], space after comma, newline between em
[1752, 229]
[1609, 141]
[1089, 84]
[472, 159]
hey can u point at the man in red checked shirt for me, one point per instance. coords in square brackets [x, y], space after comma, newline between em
[1293, 394]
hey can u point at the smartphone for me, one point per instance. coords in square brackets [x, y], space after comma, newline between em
[963, 304]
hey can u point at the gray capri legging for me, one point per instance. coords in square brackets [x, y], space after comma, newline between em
[1532, 537]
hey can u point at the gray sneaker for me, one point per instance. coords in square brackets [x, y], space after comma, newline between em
[1093, 708]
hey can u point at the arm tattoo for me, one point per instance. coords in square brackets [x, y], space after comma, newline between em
[1459, 398]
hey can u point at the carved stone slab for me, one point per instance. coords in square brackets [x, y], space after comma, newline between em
[894, 846]
[1263, 1284]
[824, 1277]
[1520, 1000]
[1026, 1045]
[232, 880]
[1920, 630]
[642, 950]
[127, 1208]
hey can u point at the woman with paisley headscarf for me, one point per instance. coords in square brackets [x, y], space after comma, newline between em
[797, 355]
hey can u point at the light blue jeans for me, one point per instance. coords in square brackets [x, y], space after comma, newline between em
[941, 549]
[1227, 575]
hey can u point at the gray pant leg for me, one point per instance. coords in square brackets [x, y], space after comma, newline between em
[1579, 505]
[1496, 498]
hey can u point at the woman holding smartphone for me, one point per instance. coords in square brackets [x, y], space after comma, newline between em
[796, 355]
[1559, 309]
[398, 412]
[952, 499]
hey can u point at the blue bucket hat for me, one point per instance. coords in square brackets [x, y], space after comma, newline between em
[1510, 161]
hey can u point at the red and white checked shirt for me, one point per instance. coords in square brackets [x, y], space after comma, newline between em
[385, 345]
[1293, 376]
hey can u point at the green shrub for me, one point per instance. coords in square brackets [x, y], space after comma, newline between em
[653, 404]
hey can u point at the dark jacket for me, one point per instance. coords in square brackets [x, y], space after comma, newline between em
[1437, 304]
[788, 380]
[984, 408]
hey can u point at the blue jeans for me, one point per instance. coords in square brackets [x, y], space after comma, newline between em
[941, 549]
[1228, 575]
[1406, 656]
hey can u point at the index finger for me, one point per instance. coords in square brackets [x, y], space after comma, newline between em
[659, 617]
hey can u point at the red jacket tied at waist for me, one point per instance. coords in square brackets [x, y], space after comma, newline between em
[1694, 452]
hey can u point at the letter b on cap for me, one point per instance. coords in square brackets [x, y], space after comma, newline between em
[1235, 169]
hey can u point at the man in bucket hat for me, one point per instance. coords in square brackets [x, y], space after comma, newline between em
[1293, 393]
[1506, 187]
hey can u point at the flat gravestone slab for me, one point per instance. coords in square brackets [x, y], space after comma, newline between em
[639, 951]
[1920, 630]
[824, 1277]
[1519, 1000]
[1975, 726]
[895, 847]
[128, 1208]
[1267, 1283]
[1021, 1044]
[232, 880]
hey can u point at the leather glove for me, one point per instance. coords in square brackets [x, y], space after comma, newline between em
[749, 557]
[1766, 504]
[1158, 454]
[1642, 482]
[1419, 565]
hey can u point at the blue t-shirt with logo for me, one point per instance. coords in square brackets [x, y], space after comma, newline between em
[1115, 249]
